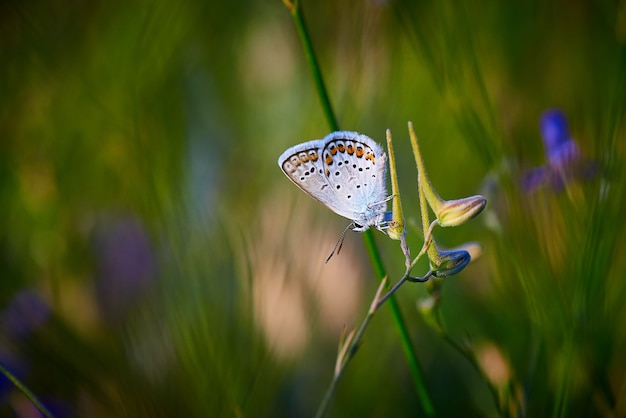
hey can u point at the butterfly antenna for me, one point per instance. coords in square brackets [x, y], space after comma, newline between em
[339, 243]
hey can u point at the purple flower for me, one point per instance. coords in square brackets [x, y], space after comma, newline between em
[24, 314]
[564, 159]
[560, 148]
[125, 266]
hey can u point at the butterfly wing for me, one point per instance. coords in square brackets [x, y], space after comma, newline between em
[345, 171]
[303, 165]
[355, 168]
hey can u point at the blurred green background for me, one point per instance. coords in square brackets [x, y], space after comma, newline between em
[155, 262]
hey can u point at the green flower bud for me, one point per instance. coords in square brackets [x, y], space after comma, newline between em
[396, 228]
[456, 212]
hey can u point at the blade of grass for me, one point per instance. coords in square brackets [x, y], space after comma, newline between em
[309, 53]
[30, 395]
[407, 347]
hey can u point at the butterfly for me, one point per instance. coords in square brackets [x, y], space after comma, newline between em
[344, 171]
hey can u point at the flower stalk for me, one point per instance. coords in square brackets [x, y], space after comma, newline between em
[397, 227]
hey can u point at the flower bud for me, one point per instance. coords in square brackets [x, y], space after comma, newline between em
[396, 228]
[457, 212]
[394, 219]
[449, 263]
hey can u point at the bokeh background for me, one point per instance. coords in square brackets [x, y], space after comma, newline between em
[155, 262]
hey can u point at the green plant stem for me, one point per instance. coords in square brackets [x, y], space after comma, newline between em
[405, 339]
[351, 345]
[405, 278]
[407, 347]
[309, 53]
[30, 395]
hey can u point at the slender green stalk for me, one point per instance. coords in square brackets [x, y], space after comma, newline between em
[352, 343]
[405, 278]
[368, 237]
[348, 350]
[309, 53]
[30, 395]
[405, 339]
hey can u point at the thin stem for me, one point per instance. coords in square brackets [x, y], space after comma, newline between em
[353, 341]
[397, 229]
[347, 352]
[428, 241]
[30, 395]
[429, 191]
[405, 339]
[407, 347]
[405, 278]
[309, 53]
[429, 244]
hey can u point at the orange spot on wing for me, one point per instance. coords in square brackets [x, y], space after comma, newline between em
[329, 160]
[341, 148]
[370, 157]
[288, 167]
[333, 150]
[359, 152]
[295, 161]
[350, 149]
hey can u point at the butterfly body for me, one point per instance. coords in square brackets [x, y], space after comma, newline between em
[345, 171]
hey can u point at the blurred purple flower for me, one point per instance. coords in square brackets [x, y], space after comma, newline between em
[24, 314]
[125, 266]
[565, 160]
[560, 148]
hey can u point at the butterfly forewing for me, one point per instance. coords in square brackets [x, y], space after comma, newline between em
[345, 171]
[355, 168]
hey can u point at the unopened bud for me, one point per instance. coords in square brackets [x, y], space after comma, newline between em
[449, 263]
[456, 212]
